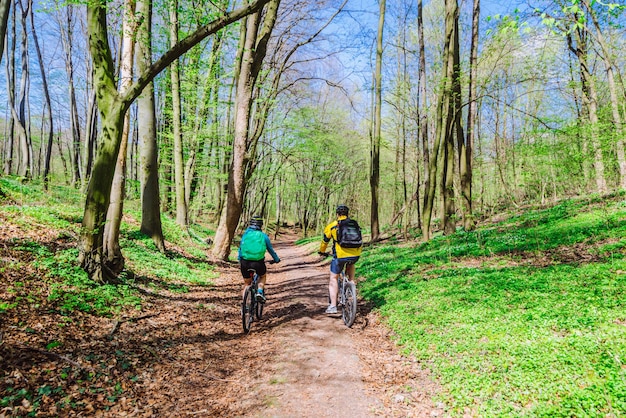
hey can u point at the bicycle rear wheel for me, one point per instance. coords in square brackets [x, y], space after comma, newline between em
[247, 309]
[349, 304]
[259, 309]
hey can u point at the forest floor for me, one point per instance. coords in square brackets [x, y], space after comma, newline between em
[184, 354]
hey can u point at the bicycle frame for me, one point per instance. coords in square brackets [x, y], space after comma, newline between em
[251, 309]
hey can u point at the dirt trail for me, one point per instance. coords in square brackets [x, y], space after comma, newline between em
[318, 372]
[316, 367]
[185, 354]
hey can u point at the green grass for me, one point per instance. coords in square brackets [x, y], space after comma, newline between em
[523, 317]
[505, 336]
[56, 216]
[144, 259]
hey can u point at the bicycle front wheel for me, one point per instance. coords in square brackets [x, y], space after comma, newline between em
[349, 304]
[247, 309]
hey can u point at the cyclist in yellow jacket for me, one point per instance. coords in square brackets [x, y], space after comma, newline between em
[341, 257]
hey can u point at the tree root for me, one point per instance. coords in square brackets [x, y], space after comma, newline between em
[117, 323]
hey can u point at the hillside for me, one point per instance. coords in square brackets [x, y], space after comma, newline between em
[523, 317]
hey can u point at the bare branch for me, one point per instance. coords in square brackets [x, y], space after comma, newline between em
[186, 44]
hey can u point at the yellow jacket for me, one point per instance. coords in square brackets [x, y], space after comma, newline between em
[330, 232]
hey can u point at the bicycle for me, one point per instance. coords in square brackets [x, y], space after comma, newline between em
[250, 307]
[346, 297]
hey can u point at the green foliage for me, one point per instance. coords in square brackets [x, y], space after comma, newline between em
[32, 193]
[5, 306]
[143, 258]
[510, 321]
[73, 290]
[308, 240]
[51, 249]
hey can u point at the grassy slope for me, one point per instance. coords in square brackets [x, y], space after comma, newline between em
[524, 317]
[46, 228]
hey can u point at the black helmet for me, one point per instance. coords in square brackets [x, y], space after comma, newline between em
[342, 210]
[256, 221]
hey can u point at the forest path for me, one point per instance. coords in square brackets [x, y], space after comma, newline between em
[306, 363]
[186, 353]
[315, 371]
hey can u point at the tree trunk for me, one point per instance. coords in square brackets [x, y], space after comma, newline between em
[444, 126]
[255, 48]
[10, 71]
[376, 134]
[112, 249]
[422, 117]
[590, 98]
[112, 110]
[454, 130]
[146, 114]
[5, 8]
[179, 167]
[48, 106]
[67, 40]
[466, 147]
[233, 207]
[615, 111]
[20, 116]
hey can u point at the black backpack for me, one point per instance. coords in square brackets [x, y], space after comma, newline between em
[349, 233]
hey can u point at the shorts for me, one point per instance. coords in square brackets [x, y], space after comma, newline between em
[338, 263]
[258, 266]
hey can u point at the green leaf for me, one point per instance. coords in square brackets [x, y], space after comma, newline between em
[53, 344]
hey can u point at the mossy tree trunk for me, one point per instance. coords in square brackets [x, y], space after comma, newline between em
[112, 106]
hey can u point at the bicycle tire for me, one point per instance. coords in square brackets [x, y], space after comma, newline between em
[349, 304]
[259, 310]
[247, 309]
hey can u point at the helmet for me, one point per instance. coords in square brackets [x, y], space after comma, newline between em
[342, 210]
[256, 220]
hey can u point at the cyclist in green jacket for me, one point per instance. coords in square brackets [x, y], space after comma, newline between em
[341, 257]
[254, 244]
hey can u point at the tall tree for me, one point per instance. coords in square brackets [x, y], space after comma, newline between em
[613, 92]
[465, 148]
[578, 41]
[444, 126]
[179, 168]
[5, 7]
[19, 115]
[9, 145]
[112, 106]
[258, 28]
[112, 249]
[146, 115]
[66, 26]
[48, 102]
[422, 109]
[453, 131]
[376, 134]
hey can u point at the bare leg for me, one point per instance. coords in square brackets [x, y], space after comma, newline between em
[333, 288]
[262, 280]
[246, 282]
[351, 270]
